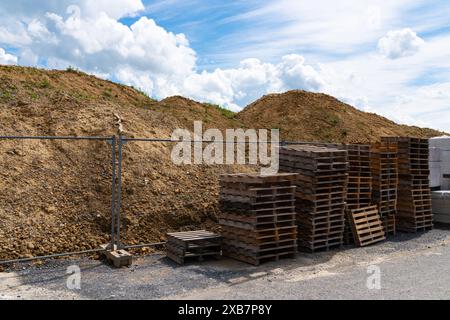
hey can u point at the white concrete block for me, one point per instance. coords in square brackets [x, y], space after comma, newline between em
[445, 184]
[440, 202]
[445, 156]
[445, 167]
[435, 154]
[440, 142]
[435, 174]
[441, 194]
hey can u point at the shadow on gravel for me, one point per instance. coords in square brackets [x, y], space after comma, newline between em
[232, 272]
[404, 236]
[421, 236]
[42, 276]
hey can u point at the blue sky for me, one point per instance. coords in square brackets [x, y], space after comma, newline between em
[392, 58]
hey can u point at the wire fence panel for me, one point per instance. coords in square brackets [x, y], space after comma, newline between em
[68, 195]
[159, 196]
[55, 195]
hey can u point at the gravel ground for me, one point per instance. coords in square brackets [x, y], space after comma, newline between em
[411, 266]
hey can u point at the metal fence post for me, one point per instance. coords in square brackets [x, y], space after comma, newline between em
[119, 194]
[113, 189]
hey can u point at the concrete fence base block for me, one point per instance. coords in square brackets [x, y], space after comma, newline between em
[118, 258]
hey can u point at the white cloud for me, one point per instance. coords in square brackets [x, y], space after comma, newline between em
[326, 26]
[240, 86]
[88, 35]
[374, 17]
[6, 58]
[114, 8]
[17, 15]
[426, 106]
[233, 88]
[411, 90]
[400, 43]
[436, 91]
[141, 80]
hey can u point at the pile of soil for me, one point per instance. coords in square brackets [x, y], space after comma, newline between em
[306, 116]
[55, 196]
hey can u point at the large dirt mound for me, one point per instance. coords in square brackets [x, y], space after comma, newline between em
[310, 116]
[55, 195]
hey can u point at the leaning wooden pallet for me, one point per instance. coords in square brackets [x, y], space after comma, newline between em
[257, 217]
[367, 226]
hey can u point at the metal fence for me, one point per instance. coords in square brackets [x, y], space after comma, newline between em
[117, 216]
[142, 164]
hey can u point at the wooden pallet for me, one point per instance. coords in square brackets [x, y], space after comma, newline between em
[414, 227]
[259, 236]
[256, 258]
[256, 195]
[265, 226]
[287, 201]
[192, 244]
[320, 244]
[313, 152]
[367, 226]
[257, 179]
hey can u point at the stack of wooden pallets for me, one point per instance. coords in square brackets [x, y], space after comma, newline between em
[414, 195]
[257, 217]
[359, 192]
[384, 183]
[192, 245]
[320, 196]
